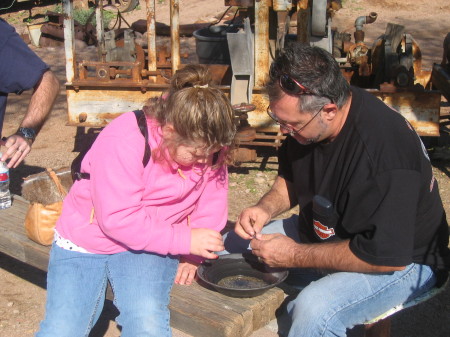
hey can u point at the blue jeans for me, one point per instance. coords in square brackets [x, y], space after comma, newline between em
[76, 285]
[329, 304]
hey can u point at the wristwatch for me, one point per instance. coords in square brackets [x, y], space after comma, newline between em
[27, 133]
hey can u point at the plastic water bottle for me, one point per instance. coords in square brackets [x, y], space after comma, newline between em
[5, 194]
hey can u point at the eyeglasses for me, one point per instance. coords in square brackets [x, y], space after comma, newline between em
[292, 131]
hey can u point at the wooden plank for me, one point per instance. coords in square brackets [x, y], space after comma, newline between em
[26, 252]
[196, 310]
[205, 302]
[264, 307]
[191, 314]
[256, 311]
[13, 240]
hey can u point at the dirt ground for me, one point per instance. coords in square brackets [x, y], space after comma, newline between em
[22, 289]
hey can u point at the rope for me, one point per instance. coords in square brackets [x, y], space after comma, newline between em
[12, 3]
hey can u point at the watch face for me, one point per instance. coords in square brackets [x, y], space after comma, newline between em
[27, 133]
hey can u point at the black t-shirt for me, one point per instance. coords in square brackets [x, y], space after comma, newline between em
[20, 68]
[378, 178]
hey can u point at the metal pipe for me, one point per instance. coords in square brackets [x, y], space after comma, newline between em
[151, 34]
[360, 21]
[175, 34]
[69, 45]
[100, 30]
[262, 58]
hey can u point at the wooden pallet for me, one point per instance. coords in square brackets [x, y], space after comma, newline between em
[196, 310]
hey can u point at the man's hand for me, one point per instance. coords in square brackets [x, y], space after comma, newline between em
[251, 221]
[17, 148]
[186, 272]
[278, 199]
[275, 250]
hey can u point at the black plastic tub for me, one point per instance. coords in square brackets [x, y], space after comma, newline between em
[211, 45]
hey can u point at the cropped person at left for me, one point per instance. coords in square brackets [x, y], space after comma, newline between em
[21, 69]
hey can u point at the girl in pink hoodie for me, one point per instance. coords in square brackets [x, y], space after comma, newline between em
[143, 227]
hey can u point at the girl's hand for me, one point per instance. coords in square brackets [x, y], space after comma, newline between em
[186, 272]
[206, 241]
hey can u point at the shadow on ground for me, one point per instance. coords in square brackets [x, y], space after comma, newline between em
[38, 278]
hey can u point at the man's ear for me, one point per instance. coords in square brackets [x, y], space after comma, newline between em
[329, 111]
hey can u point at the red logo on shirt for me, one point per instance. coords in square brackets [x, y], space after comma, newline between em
[322, 231]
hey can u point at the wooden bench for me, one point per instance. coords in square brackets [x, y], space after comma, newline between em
[194, 309]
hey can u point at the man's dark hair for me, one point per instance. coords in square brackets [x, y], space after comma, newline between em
[314, 68]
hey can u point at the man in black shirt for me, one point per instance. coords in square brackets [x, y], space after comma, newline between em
[371, 225]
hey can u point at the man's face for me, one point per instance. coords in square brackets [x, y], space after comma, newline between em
[306, 128]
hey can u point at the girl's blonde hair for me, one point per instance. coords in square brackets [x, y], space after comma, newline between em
[197, 110]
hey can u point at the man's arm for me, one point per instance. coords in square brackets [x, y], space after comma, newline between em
[278, 250]
[280, 198]
[42, 100]
[41, 103]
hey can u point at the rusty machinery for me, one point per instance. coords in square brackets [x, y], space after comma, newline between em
[440, 76]
[126, 75]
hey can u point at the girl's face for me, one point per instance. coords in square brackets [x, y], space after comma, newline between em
[188, 154]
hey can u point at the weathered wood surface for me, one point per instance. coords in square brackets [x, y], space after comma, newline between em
[13, 240]
[196, 310]
[203, 312]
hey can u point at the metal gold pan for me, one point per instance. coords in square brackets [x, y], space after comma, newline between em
[240, 275]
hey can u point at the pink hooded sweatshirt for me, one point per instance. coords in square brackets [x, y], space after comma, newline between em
[136, 208]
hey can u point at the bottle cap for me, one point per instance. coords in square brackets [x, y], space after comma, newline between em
[3, 167]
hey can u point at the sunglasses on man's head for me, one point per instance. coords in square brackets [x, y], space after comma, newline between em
[293, 87]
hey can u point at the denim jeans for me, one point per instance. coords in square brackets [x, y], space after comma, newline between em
[329, 304]
[76, 285]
